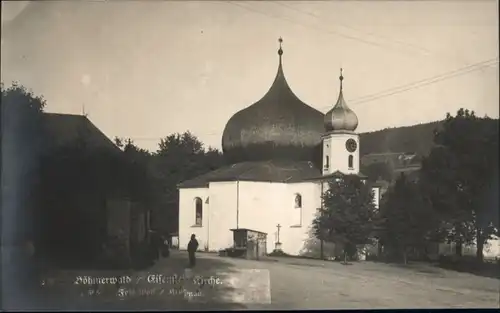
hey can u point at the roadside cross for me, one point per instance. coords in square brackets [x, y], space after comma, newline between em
[278, 226]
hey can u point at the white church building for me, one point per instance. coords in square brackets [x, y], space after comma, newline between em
[282, 153]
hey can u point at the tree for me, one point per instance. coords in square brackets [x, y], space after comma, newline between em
[180, 157]
[22, 143]
[405, 217]
[158, 180]
[129, 146]
[457, 174]
[21, 139]
[347, 214]
[137, 155]
[119, 142]
[186, 143]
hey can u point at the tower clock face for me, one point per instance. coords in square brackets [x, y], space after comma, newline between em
[351, 145]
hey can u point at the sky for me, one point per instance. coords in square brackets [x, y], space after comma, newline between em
[146, 69]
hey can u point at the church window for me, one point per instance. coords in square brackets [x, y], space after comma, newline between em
[327, 161]
[198, 211]
[350, 161]
[298, 201]
[297, 214]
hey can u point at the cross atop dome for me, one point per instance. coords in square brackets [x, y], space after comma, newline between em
[280, 51]
[341, 78]
[341, 117]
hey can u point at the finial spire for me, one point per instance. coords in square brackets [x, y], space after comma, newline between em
[341, 78]
[280, 51]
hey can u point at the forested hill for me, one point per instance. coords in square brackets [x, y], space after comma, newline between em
[417, 139]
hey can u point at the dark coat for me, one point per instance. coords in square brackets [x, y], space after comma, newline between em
[193, 245]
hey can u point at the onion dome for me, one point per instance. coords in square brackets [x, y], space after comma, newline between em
[341, 117]
[278, 126]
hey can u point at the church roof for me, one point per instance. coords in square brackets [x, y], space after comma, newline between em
[261, 171]
[278, 126]
[277, 171]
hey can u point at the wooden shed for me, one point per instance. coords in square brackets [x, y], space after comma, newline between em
[249, 244]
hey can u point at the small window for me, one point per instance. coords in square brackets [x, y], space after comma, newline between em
[350, 161]
[298, 201]
[297, 214]
[327, 161]
[198, 211]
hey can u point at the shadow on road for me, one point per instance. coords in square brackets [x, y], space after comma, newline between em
[465, 265]
[64, 295]
[484, 269]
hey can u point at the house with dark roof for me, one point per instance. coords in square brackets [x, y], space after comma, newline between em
[108, 218]
[66, 129]
[396, 163]
[282, 154]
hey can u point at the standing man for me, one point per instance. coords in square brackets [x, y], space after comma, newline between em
[192, 247]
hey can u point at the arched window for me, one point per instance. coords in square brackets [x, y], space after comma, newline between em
[297, 214]
[350, 161]
[298, 201]
[327, 161]
[198, 203]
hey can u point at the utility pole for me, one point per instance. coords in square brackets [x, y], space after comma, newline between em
[321, 251]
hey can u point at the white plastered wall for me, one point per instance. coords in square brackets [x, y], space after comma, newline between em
[223, 214]
[264, 205]
[187, 216]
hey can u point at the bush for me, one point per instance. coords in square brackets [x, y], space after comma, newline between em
[278, 253]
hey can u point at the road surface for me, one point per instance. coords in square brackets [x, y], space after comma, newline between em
[278, 283]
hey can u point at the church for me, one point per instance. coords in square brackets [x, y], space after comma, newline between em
[282, 153]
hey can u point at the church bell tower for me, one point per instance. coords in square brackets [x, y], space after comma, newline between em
[340, 141]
